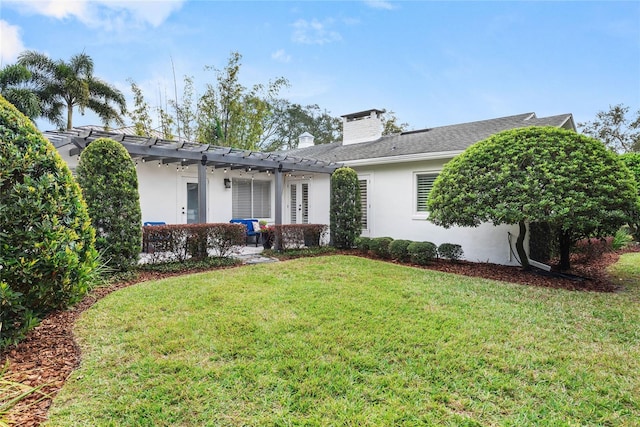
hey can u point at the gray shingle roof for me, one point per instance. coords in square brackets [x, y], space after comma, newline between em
[452, 138]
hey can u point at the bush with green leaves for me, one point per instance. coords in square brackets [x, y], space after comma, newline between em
[450, 251]
[398, 250]
[380, 246]
[181, 242]
[47, 253]
[632, 162]
[362, 244]
[544, 174]
[109, 183]
[422, 253]
[345, 209]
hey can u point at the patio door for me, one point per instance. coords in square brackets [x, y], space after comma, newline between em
[190, 207]
[299, 202]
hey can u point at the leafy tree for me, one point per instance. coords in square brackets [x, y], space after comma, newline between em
[140, 115]
[345, 214]
[288, 121]
[13, 87]
[64, 85]
[551, 175]
[232, 114]
[186, 114]
[615, 129]
[390, 125]
[632, 161]
[109, 182]
[47, 254]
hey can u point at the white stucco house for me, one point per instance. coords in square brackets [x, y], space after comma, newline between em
[396, 174]
[184, 182]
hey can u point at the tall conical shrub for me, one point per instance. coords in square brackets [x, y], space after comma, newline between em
[346, 212]
[109, 183]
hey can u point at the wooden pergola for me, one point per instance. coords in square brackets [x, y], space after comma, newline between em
[184, 153]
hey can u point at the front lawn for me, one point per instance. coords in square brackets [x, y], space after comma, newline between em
[342, 340]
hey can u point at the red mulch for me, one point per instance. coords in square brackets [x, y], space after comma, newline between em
[49, 353]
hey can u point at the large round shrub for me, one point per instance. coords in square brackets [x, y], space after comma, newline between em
[346, 211]
[47, 251]
[536, 174]
[109, 183]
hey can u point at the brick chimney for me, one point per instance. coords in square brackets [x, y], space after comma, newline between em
[361, 127]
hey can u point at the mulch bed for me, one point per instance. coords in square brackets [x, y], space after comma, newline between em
[49, 353]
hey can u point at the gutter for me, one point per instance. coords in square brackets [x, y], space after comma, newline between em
[403, 158]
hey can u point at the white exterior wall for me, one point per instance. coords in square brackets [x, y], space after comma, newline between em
[163, 192]
[393, 212]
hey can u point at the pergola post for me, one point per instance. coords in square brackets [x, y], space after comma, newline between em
[278, 212]
[202, 190]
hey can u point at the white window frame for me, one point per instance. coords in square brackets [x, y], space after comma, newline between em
[421, 214]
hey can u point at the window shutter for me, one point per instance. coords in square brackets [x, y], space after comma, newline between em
[305, 203]
[261, 199]
[241, 198]
[364, 203]
[424, 185]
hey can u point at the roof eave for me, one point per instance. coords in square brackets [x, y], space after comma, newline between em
[403, 158]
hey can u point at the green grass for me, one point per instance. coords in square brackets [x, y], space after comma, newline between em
[341, 340]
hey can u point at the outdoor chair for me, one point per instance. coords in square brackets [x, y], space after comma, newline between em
[253, 228]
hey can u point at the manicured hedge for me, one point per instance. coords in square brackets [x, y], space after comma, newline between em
[290, 236]
[422, 253]
[380, 246]
[177, 242]
[363, 244]
[450, 251]
[398, 250]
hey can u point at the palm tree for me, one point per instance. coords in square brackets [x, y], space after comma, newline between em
[13, 87]
[61, 85]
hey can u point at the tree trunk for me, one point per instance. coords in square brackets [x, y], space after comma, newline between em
[69, 116]
[524, 258]
[565, 250]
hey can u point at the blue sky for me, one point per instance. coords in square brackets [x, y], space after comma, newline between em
[432, 63]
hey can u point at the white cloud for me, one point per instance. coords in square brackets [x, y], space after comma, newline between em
[107, 14]
[314, 32]
[281, 56]
[380, 4]
[10, 43]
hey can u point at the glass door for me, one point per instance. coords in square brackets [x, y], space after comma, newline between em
[193, 203]
[299, 203]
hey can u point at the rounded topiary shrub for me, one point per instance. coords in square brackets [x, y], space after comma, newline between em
[422, 253]
[47, 251]
[450, 251]
[380, 246]
[362, 244]
[109, 183]
[345, 211]
[398, 250]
